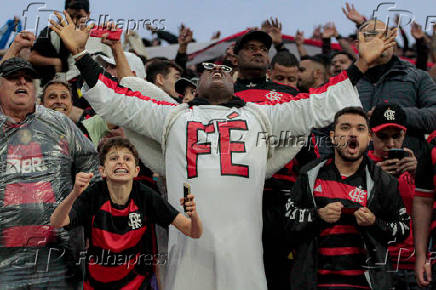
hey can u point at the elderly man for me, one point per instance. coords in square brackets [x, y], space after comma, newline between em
[212, 144]
[40, 152]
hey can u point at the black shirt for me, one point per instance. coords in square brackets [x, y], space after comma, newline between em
[122, 243]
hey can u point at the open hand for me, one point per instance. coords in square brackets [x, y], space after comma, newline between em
[74, 38]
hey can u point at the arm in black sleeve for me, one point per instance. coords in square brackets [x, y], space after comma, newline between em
[394, 226]
[90, 70]
[281, 47]
[405, 40]
[354, 74]
[167, 36]
[326, 45]
[421, 53]
[181, 59]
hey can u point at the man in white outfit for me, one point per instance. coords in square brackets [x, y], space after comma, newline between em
[220, 145]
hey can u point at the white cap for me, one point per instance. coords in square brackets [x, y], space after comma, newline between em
[134, 61]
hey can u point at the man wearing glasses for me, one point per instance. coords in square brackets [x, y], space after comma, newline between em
[212, 143]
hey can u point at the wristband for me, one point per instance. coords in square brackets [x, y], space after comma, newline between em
[76, 56]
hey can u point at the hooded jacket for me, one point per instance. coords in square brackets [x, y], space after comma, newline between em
[304, 224]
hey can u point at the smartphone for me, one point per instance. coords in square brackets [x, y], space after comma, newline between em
[349, 210]
[186, 192]
[99, 31]
[396, 154]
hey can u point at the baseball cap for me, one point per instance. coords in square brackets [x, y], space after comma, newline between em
[258, 35]
[16, 64]
[183, 83]
[134, 61]
[387, 115]
[77, 4]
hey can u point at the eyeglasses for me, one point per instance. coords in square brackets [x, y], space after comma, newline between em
[212, 66]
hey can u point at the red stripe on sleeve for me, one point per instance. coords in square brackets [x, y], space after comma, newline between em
[424, 193]
[126, 91]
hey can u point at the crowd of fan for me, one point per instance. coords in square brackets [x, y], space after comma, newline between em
[303, 248]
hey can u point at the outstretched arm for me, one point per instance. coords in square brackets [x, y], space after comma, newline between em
[116, 104]
[317, 109]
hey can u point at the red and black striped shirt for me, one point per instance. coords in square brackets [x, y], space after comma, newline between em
[122, 244]
[341, 251]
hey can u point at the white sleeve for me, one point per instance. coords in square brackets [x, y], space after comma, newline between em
[314, 110]
[128, 109]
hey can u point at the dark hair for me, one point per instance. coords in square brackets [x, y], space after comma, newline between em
[284, 58]
[162, 67]
[56, 82]
[110, 143]
[349, 55]
[350, 110]
[319, 58]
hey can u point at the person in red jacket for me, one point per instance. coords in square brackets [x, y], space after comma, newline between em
[388, 125]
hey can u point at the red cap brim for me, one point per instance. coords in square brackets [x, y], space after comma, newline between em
[386, 125]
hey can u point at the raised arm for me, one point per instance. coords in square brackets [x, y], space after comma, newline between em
[116, 104]
[317, 109]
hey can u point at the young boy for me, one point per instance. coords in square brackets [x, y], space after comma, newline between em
[118, 215]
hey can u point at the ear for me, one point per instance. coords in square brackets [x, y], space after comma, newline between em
[268, 73]
[332, 137]
[101, 170]
[356, 44]
[159, 80]
[137, 169]
[134, 73]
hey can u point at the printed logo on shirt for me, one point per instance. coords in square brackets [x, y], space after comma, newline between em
[358, 195]
[25, 159]
[273, 96]
[318, 188]
[233, 115]
[135, 221]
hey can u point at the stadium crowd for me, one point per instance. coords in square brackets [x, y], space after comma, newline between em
[306, 171]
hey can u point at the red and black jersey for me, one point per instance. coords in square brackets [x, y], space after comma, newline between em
[403, 254]
[122, 243]
[341, 251]
[260, 90]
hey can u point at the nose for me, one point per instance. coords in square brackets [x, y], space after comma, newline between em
[390, 143]
[21, 80]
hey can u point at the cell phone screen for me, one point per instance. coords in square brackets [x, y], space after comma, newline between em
[186, 192]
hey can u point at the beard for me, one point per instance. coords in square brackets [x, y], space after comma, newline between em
[346, 158]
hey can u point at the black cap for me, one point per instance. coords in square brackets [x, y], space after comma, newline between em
[259, 35]
[183, 83]
[388, 115]
[16, 64]
[77, 4]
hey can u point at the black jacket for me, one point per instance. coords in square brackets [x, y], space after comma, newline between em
[303, 222]
[411, 88]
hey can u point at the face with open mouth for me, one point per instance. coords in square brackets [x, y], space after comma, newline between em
[17, 92]
[58, 97]
[214, 81]
[119, 165]
[351, 137]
